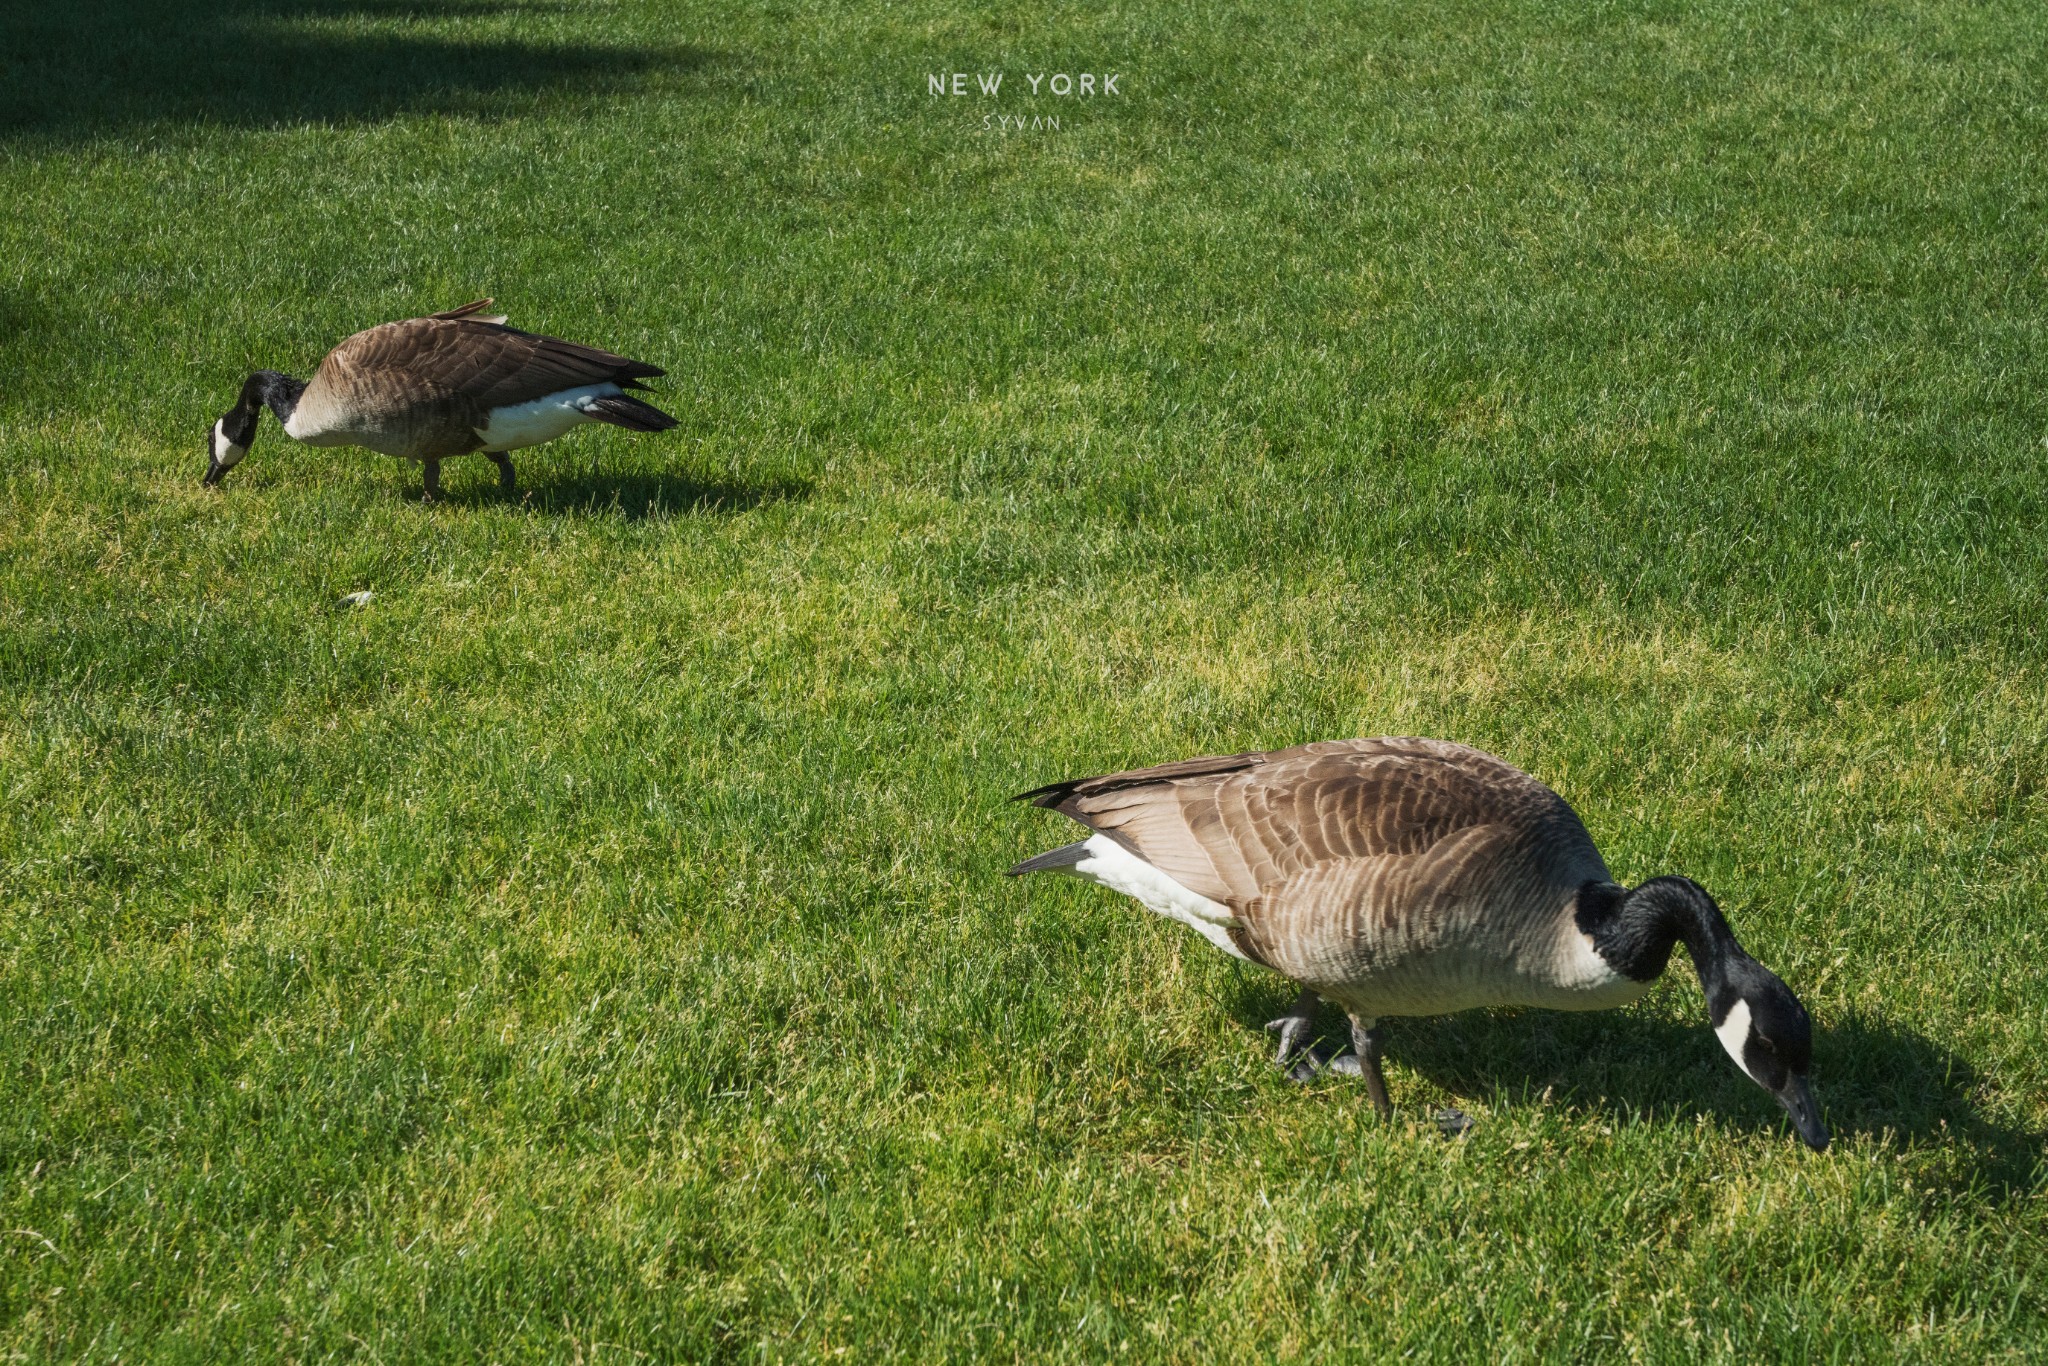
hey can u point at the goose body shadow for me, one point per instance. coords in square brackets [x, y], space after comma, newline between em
[1886, 1082]
[652, 496]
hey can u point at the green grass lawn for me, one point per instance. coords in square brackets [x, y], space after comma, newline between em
[594, 948]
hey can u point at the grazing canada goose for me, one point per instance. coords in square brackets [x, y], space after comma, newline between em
[428, 388]
[1416, 877]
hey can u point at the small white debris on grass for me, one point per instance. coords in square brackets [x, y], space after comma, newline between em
[357, 599]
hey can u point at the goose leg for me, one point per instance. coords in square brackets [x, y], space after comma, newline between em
[1364, 1060]
[504, 464]
[1294, 1029]
[432, 470]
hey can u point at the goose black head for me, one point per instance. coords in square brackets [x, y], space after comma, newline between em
[1756, 1016]
[1765, 1029]
[230, 441]
[236, 430]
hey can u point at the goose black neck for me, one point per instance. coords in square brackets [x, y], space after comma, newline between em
[1634, 930]
[276, 391]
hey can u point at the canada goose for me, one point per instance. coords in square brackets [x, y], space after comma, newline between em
[1416, 877]
[428, 388]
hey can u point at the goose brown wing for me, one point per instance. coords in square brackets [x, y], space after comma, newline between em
[1241, 827]
[1341, 919]
[483, 365]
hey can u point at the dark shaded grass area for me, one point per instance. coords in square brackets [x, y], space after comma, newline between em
[109, 67]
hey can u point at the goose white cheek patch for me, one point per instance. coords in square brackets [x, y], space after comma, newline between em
[224, 450]
[1734, 1033]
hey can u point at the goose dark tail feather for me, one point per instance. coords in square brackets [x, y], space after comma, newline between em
[623, 410]
[1061, 797]
[1066, 856]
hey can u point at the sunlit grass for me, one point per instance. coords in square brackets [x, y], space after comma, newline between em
[594, 945]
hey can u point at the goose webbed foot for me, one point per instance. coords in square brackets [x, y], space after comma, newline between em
[432, 470]
[504, 464]
[1295, 1027]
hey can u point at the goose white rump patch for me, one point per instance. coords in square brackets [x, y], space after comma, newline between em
[544, 419]
[1111, 865]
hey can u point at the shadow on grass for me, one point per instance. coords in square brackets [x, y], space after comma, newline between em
[652, 497]
[1874, 1080]
[635, 495]
[24, 322]
[95, 67]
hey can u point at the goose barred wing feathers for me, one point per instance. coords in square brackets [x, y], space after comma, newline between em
[487, 363]
[1235, 827]
[423, 387]
[1326, 851]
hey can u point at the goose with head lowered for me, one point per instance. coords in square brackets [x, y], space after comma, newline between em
[1403, 876]
[429, 388]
